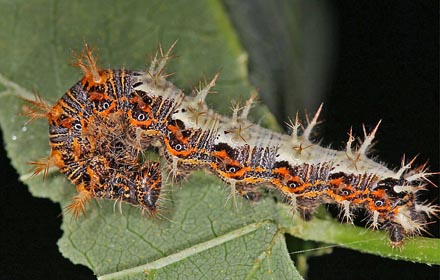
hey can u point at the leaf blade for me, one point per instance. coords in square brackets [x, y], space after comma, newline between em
[104, 241]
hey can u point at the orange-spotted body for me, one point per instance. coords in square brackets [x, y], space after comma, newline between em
[101, 127]
[95, 144]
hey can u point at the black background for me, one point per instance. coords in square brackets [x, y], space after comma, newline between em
[386, 68]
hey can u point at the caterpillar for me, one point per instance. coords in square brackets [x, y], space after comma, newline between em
[101, 127]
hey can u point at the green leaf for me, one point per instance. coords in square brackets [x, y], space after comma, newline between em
[203, 232]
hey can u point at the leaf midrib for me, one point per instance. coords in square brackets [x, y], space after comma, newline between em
[188, 252]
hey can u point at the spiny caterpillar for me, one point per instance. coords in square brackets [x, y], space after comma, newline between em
[100, 129]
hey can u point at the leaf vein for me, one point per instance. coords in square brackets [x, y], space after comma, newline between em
[186, 253]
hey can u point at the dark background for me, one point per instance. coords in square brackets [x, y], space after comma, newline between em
[385, 67]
